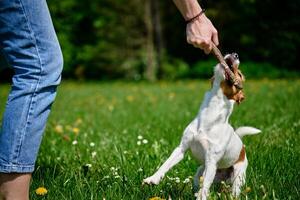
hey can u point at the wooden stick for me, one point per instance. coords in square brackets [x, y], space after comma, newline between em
[229, 73]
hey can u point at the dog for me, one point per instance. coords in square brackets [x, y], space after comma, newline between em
[211, 139]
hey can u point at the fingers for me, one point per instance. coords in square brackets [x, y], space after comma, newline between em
[201, 43]
[215, 38]
[201, 34]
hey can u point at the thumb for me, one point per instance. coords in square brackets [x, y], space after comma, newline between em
[215, 38]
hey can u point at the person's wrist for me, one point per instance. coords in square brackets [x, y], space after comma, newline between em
[199, 16]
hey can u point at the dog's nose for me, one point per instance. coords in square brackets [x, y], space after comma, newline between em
[235, 55]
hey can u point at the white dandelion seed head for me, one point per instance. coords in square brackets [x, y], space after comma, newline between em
[94, 153]
[139, 143]
[113, 168]
[140, 169]
[187, 180]
[92, 144]
[145, 141]
[88, 165]
[74, 142]
[140, 137]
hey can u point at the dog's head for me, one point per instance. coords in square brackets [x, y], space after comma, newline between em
[229, 89]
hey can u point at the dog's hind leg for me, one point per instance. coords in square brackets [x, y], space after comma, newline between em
[239, 176]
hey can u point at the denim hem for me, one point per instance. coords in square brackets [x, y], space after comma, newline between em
[13, 168]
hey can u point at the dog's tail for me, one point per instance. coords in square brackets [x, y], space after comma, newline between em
[246, 130]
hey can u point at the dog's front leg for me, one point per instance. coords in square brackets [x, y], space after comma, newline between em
[175, 158]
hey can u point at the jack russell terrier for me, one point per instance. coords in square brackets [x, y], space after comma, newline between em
[211, 139]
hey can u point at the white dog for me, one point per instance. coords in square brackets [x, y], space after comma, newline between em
[211, 139]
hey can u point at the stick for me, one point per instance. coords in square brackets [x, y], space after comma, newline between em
[229, 73]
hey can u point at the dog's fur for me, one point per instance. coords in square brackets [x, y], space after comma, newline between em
[212, 140]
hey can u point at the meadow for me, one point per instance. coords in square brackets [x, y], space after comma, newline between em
[103, 138]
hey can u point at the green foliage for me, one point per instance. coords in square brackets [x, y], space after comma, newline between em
[107, 118]
[98, 38]
[204, 69]
[104, 39]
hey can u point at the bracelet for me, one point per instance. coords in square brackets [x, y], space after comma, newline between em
[195, 18]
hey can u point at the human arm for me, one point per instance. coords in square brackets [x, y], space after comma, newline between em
[201, 32]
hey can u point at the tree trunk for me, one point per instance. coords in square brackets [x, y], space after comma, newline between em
[151, 68]
[158, 39]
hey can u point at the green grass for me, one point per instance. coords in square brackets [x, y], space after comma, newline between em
[112, 116]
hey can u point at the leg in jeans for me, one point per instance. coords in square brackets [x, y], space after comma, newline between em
[29, 43]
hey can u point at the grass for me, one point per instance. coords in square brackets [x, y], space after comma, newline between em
[91, 145]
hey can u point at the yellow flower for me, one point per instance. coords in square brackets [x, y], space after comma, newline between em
[130, 98]
[248, 189]
[78, 121]
[156, 198]
[41, 191]
[171, 95]
[111, 107]
[75, 130]
[59, 129]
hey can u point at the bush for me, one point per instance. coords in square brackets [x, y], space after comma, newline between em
[252, 70]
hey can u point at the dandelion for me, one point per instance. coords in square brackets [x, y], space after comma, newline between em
[92, 144]
[140, 137]
[75, 130]
[187, 180]
[140, 169]
[117, 176]
[177, 180]
[248, 189]
[111, 108]
[41, 191]
[171, 95]
[145, 141]
[74, 142]
[59, 129]
[139, 143]
[88, 165]
[130, 98]
[78, 121]
[94, 153]
[156, 198]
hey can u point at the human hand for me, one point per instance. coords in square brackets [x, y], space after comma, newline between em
[201, 33]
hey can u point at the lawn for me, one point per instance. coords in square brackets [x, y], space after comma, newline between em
[103, 138]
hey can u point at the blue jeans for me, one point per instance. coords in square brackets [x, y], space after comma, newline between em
[30, 45]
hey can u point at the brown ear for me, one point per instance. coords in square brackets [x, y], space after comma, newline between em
[239, 97]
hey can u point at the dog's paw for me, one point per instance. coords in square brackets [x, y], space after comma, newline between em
[152, 180]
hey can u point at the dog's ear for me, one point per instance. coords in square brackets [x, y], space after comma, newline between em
[239, 97]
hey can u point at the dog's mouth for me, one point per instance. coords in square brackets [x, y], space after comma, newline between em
[232, 61]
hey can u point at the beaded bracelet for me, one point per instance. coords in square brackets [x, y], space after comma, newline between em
[195, 18]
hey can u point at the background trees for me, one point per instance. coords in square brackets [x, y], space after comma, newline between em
[135, 39]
